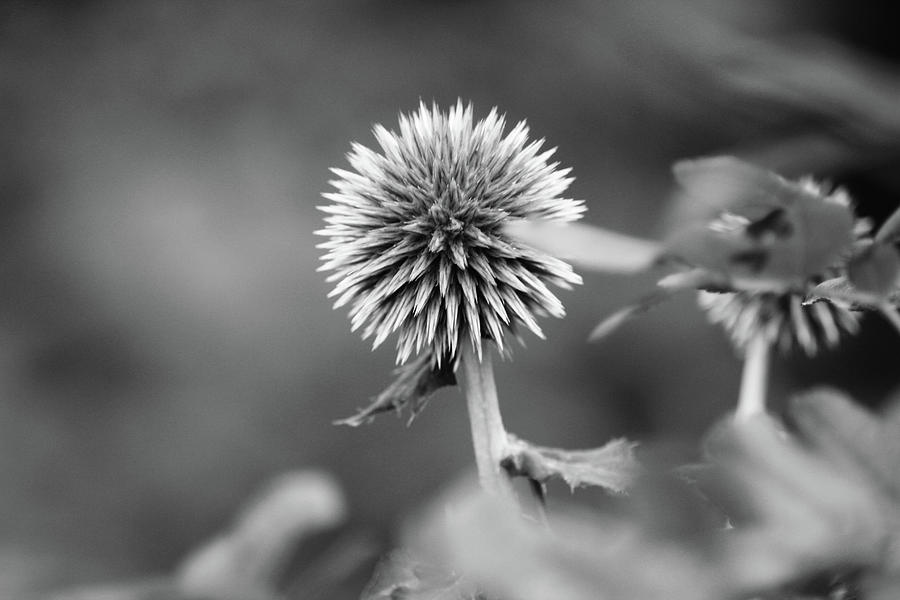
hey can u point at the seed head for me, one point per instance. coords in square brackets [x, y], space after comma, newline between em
[415, 239]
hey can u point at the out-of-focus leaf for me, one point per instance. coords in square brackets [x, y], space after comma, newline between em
[612, 466]
[721, 184]
[822, 500]
[412, 386]
[153, 589]
[875, 269]
[840, 290]
[852, 438]
[670, 285]
[256, 558]
[399, 577]
[883, 588]
[780, 233]
[581, 557]
[611, 323]
[588, 246]
[889, 232]
[247, 561]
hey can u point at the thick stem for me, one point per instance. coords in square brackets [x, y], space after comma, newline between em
[488, 434]
[755, 379]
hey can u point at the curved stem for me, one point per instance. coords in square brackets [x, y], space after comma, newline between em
[488, 434]
[754, 379]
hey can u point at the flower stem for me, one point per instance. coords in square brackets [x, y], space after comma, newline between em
[488, 435]
[754, 379]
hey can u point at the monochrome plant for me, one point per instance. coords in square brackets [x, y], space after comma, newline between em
[416, 246]
[449, 238]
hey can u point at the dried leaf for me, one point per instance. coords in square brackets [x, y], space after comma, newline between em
[612, 466]
[413, 384]
[588, 246]
[399, 577]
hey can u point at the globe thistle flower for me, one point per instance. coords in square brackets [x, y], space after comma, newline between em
[415, 240]
[417, 248]
[783, 319]
[782, 316]
[758, 248]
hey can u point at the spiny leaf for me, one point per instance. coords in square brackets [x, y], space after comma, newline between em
[399, 577]
[413, 384]
[612, 466]
[587, 246]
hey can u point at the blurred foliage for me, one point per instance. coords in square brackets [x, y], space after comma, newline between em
[810, 513]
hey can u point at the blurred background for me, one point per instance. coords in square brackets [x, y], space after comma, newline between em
[167, 345]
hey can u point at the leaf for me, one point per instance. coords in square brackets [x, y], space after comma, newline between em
[852, 437]
[587, 246]
[248, 559]
[889, 232]
[413, 384]
[611, 323]
[821, 500]
[875, 269]
[713, 185]
[612, 466]
[772, 233]
[596, 556]
[399, 577]
[671, 285]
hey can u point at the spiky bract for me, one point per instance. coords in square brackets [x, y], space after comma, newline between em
[782, 318]
[415, 241]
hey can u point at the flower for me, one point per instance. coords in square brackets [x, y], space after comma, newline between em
[757, 249]
[782, 318]
[415, 240]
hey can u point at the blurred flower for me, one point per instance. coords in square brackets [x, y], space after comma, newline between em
[415, 233]
[781, 318]
[755, 246]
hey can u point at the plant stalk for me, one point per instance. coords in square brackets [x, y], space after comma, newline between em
[488, 434]
[754, 379]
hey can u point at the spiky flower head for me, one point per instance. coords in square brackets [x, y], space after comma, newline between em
[415, 239]
[782, 318]
[785, 318]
